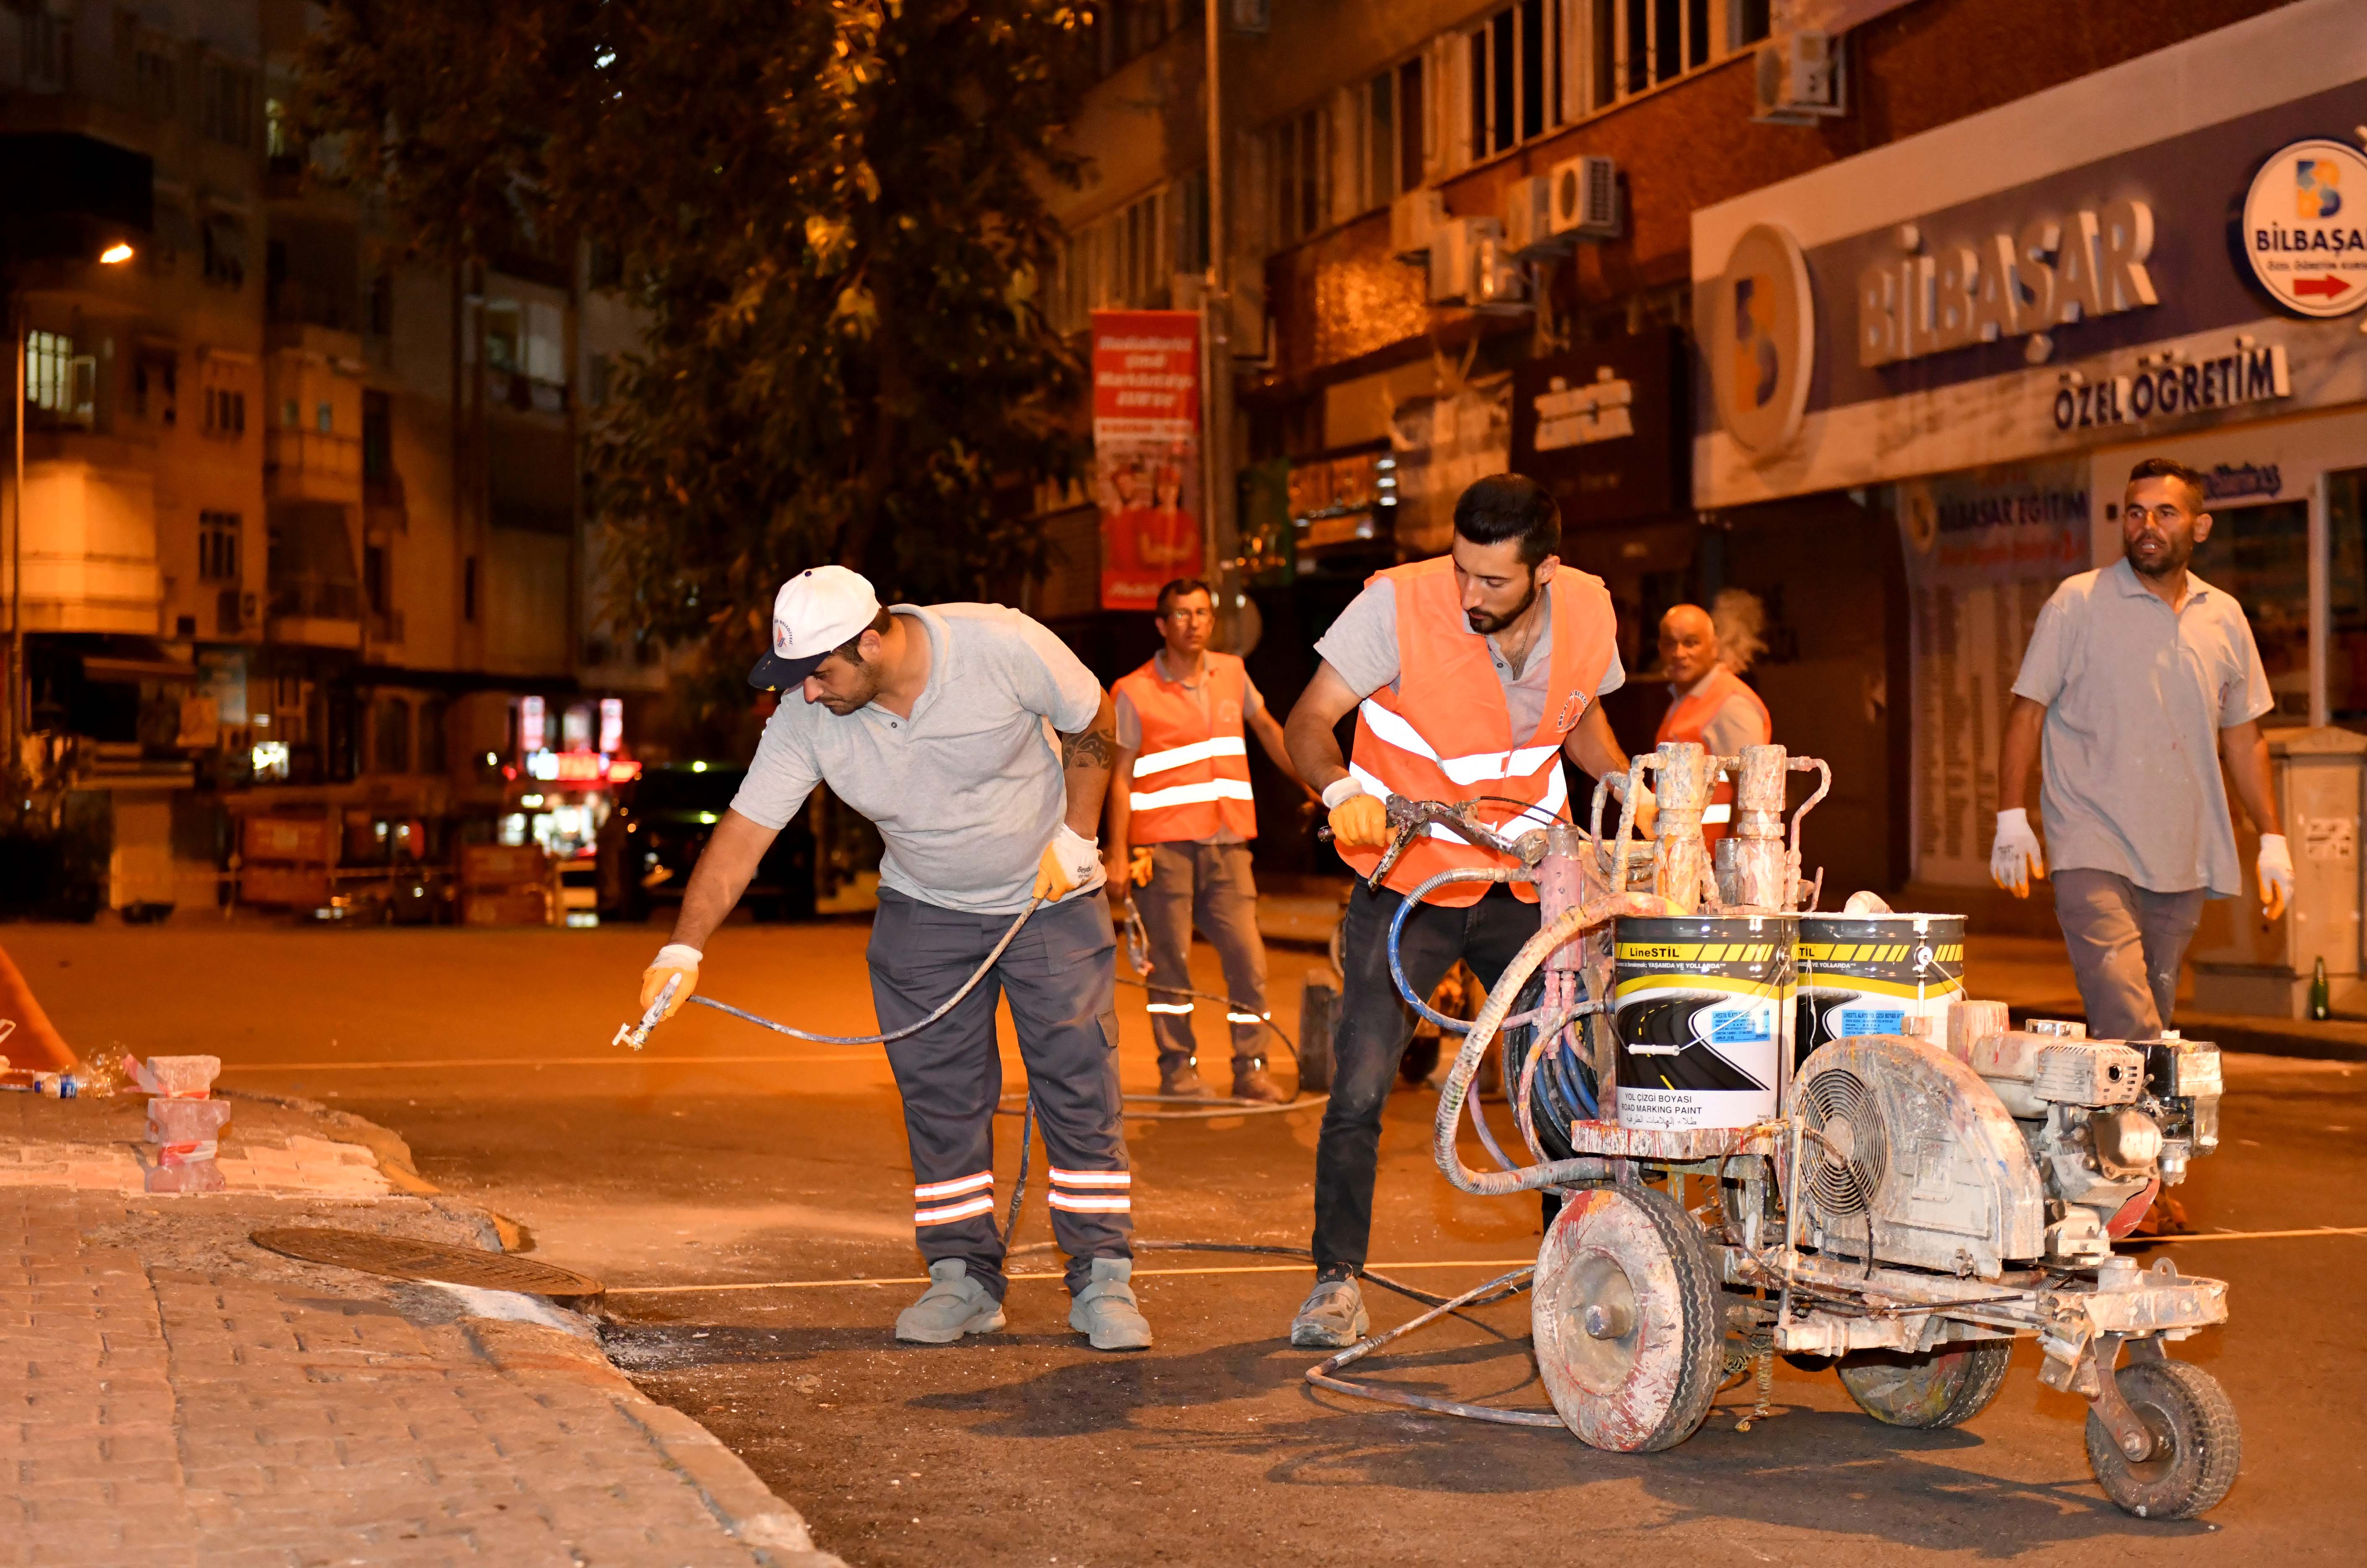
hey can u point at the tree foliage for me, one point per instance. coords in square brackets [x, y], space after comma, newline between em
[831, 216]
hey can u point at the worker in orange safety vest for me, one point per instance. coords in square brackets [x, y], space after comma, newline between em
[1472, 675]
[1181, 818]
[1711, 705]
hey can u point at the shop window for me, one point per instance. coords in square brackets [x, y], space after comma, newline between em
[432, 756]
[218, 547]
[224, 242]
[156, 77]
[390, 746]
[60, 386]
[2259, 555]
[2345, 663]
[226, 105]
[225, 413]
[48, 49]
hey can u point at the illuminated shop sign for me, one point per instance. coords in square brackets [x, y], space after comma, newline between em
[2305, 228]
[2050, 270]
[2169, 383]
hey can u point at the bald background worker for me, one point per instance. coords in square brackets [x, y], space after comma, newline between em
[1710, 704]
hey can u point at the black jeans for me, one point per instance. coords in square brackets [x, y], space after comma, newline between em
[1375, 1024]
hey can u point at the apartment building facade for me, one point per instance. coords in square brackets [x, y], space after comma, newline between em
[1466, 238]
[300, 525]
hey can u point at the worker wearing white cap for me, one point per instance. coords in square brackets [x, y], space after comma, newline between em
[932, 721]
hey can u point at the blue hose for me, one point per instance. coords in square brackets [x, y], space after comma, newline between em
[1396, 927]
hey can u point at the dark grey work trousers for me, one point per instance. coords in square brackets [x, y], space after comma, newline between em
[2125, 943]
[1060, 974]
[1209, 885]
[1375, 1024]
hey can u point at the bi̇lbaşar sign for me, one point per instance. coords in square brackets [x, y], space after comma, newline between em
[1967, 297]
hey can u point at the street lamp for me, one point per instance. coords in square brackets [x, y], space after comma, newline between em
[114, 254]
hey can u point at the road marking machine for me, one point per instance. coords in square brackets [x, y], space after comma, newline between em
[1784, 1132]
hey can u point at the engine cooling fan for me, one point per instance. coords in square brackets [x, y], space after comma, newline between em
[1850, 1153]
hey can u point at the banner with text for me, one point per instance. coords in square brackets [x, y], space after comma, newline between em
[1984, 549]
[1147, 451]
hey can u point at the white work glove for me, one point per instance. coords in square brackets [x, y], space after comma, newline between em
[2275, 868]
[674, 958]
[1067, 864]
[2015, 859]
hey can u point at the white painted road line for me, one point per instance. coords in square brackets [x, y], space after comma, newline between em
[1138, 1274]
[361, 1066]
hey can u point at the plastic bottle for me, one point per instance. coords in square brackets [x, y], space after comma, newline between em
[2321, 1007]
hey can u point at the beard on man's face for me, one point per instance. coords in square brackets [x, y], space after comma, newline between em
[1488, 623]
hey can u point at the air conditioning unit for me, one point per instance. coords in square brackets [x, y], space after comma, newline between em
[1413, 218]
[1454, 257]
[1800, 79]
[1500, 280]
[1584, 193]
[1528, 219]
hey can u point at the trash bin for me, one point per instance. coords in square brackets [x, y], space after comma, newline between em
[2245, 964]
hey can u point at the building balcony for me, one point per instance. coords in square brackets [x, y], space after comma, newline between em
[385, 628]
[310, 465]
[316, 613]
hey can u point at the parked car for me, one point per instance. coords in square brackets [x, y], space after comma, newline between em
[662, 821]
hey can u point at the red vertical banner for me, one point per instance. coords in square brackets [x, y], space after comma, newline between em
[1147, 451]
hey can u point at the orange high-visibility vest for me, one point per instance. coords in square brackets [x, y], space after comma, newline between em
[1688, 719]
[1192, 778]
[1446, 734]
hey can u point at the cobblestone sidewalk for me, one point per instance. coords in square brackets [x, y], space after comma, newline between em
[176, 1396]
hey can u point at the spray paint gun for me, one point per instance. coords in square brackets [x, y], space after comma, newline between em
[637, 1035]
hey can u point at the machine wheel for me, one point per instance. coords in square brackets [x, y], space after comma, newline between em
[1946, 1387]
[1628, 1326]
[1319, 1011]
[2197, 1445]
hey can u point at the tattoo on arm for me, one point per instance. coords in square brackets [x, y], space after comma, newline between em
[1096, 747]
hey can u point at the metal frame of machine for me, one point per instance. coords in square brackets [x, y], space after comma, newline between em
[1915, 1203]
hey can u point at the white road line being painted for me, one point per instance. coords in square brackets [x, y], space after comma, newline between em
[360, 1066]
[1381, 1268]
[1138, 1274]
[2181, 1241]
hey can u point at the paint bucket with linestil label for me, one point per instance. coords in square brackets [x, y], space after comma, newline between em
[1877, 974]
[1702, 1005]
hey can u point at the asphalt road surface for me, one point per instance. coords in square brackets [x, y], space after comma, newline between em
[727, 1156]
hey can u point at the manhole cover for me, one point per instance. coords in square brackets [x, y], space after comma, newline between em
[402, 1257]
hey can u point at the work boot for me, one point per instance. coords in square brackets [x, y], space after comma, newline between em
[1105, 1312]
[1332, 1317]
[1252, 1083]
[953, 1305]
[1181, 1080]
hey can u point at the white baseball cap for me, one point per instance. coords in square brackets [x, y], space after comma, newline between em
[816, 611]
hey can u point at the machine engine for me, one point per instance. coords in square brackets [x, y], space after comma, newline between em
[1911, 1153]
[2107, 1122]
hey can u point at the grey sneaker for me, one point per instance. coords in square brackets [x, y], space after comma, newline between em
[1105, 1311]
[1333, 1316]
[953, 1305]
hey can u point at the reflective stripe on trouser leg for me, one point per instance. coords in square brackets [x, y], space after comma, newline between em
[950, 1074]
[1225, 906]
[1165, 905]
[1059, 977]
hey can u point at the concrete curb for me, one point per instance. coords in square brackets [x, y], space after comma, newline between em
[735, 1494]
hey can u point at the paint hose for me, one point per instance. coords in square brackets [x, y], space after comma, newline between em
[1532, 954]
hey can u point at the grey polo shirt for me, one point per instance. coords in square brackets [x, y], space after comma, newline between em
[2136, 694]
[969, 789]
[1363, 646]
[1734, 726]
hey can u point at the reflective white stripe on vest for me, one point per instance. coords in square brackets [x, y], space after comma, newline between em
[1198, 751]
[1477, 768]
[1190, 794]
[1718, 813]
